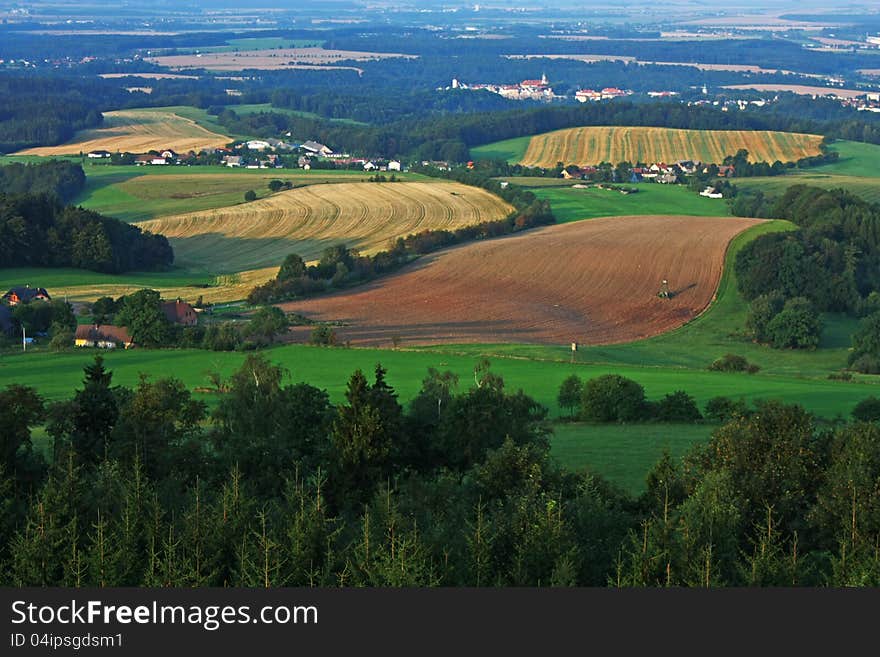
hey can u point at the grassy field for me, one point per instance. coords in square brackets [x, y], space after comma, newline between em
[57, 375]
[255, 108]
[623, 453]
[308, 220]
[592, 145]
[571, 204]
[139, 131]
[511, 151]
[856, 171]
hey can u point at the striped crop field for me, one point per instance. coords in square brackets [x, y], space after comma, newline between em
[593, 145]
[138, 131]
[365, 216]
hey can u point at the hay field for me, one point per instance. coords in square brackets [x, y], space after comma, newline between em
[592, 282]
[310, 219]
[138, 131]
[592, 145]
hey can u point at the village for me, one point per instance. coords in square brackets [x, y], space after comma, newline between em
[266, 153]
[540, 90]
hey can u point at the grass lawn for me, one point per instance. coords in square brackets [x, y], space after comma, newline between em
[571, 204]
[623, 453]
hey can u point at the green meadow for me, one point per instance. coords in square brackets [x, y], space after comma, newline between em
[509, 150]
[623, 453]
[570, 204]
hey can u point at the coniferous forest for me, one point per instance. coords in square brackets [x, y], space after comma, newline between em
[275, 486]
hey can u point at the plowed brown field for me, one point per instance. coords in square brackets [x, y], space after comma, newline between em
[591, 282]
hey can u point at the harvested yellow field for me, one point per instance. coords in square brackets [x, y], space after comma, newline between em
[365, 216]
[270, 60]
[593, 145]
[138, 131]
[801, 89]
[222, 289]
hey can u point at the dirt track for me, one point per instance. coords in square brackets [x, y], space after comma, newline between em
[591, 282]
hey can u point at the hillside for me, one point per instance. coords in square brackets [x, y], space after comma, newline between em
[138, 131]
[593, 145]
[592, 282]
[306, 221]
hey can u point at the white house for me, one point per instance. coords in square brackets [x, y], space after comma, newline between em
[394, 165]
[710, 192]
[94, 155]
[258, 145]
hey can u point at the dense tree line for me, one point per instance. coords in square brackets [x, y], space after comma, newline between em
[35, 111]
[278, 487]
[38, 231]
[61, 178]
[833, 259]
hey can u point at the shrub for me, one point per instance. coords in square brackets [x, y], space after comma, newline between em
[612, 398]
[867, 410]
[724, 409]
[250, 195]
[677, 407]
[733, 363]
[323, 335]
[867, 364]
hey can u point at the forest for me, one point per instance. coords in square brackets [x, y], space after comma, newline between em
[59, 178]
[278, 487]
[38, 231]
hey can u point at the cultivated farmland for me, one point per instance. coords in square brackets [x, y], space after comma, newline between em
[310, 219]
[592, 145]
[276, 59]
[592, 282]
[138, 131]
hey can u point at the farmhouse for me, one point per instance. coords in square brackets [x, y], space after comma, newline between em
[316, 148]
[258, 145]
[26, 294]
[102, 337]
[234, 161]
[180, 312]
[96, 155]
[711, 192]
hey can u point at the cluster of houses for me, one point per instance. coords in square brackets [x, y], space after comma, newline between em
[589, 95]
[660, 172]
[525, 90]
[257, 154]
[100, 336]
